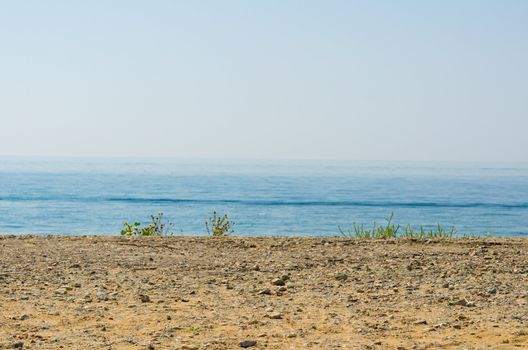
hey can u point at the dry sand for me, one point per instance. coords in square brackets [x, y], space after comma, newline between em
[273, 293]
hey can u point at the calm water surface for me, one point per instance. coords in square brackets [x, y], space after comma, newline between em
[95, 196]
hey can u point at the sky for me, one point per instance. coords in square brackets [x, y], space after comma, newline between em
[283, 79]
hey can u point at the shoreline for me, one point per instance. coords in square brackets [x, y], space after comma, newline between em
[197, 292]
[258, 236]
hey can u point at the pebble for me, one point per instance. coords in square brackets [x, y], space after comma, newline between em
[491, 290]
[278, 282]
[463, 302]
[144, 298]
[265, 291]
[101, 295]
[61, 291]
[341, 276]
[247, 343]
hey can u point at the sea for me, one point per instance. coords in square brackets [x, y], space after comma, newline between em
[92, 196]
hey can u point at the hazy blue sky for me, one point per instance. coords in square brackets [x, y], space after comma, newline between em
[380, 80]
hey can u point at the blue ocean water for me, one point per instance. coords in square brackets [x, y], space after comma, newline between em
[95, 196]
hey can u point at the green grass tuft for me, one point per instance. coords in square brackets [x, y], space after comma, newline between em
[392, 231]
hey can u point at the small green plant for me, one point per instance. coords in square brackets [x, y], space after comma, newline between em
[218, 226]
[156, 228]
[438, 232]
[389, 230]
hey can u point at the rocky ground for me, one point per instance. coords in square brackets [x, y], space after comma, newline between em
[262, 293]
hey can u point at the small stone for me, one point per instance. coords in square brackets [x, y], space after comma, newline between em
[276, 316]
[463, 302]
[265, 291]
[341, 276]
[144, 298]
[247, 343]
[491, 290]
[278, 282]
[255, 268]
[18, 345]
[101, 295]
[24, 317]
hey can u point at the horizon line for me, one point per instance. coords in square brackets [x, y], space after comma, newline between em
[265, 159]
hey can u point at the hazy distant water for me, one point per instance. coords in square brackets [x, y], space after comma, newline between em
[93, 196]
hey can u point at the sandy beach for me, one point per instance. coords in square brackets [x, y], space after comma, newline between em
[262, 293]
